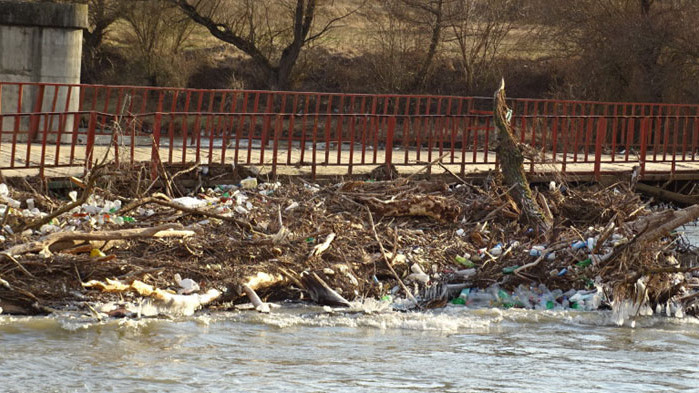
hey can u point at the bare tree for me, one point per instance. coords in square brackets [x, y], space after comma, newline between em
[101, 14]
[627, 49]
[271, 32]
[157, 34]
[422, 16]
[478, 29]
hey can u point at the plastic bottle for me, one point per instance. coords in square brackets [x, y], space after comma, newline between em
[249, 184]
[523, 297]
[510, 269]
[463, 261]
[477, 298]
[578, 245]
[496, 251]
[536, 251]
[591, 242]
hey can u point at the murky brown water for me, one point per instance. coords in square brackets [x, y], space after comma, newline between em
[300, 348]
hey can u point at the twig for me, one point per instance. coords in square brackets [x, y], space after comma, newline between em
[185, 209]
[493, 213]
[385, 258]
[92, 309]
[70, 206]
[187, 170]
[543, 255]
[447, 170]
[426, 166]
[5, 216]
[22, 268]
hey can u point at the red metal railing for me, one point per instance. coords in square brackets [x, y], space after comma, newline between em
[58, 125]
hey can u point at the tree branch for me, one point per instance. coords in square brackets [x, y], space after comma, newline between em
[225, 33]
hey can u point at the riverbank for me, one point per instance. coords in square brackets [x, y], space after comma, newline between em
[235, 237]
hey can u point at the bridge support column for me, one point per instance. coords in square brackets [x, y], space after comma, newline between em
[40, 42]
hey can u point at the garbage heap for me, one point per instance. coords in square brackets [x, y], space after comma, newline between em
[118, 241]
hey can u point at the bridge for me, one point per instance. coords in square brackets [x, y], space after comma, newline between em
[53, 129]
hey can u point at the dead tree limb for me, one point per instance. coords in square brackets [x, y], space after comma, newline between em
[511, 164]
[389, 263]
[173, 205]
[660, 225]
[120, 234]
[666, 195]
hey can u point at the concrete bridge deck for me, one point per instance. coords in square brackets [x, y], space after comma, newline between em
[337, 164]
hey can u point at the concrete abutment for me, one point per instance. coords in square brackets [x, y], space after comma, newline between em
[39, 42]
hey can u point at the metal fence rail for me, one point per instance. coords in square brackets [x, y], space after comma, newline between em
[58, 125]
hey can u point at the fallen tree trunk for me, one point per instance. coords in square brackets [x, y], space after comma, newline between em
[434, 206]
[661, 224]
[666, 195]
[171, 230]
[511, 164]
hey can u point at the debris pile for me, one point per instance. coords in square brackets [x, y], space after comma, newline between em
[119, 246]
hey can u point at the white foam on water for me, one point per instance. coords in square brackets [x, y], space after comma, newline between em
[451, 319]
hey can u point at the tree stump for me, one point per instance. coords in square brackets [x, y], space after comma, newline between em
[511, 164]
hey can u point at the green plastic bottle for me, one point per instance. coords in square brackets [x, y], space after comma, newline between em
[510, 269]
[463, 261]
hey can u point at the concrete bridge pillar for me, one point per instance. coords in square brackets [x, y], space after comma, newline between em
[39, 42]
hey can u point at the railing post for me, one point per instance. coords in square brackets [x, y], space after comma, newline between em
[644, 145]
[155, 151]
[275, 144]
[389, 142]
[35, 118]
[601, 136]
[90, 142]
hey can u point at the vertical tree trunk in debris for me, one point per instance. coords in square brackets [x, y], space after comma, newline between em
[511, 164]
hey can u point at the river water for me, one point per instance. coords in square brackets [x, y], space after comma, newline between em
[302, 348]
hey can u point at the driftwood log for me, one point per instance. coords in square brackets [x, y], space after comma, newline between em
[434, 206]
[660, 224]
[666, 195]
[166, 230]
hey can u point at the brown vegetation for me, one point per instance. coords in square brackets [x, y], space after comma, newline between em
[635, 50]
